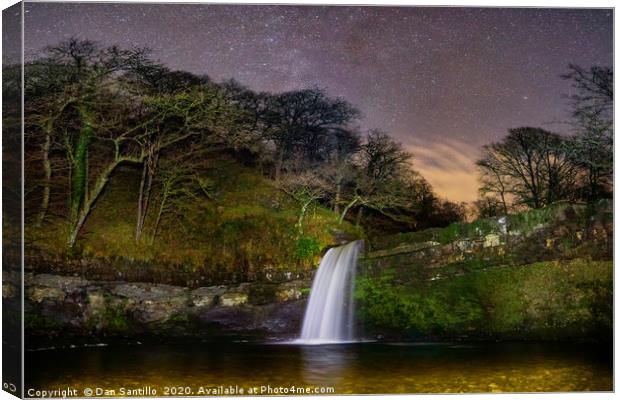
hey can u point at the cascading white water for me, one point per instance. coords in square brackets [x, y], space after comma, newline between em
[329, 314]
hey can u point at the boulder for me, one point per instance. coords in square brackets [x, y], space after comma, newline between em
[38, 294]
[95, 305]
[153, 303]
[291, 291]
[64, 283]
[260, 293]
[279, 318]
[231, 299]
[160, 310]
[148, 291]
[207, 296]
[283, 318]
[230, 318]
[76, 306]
[8, 290]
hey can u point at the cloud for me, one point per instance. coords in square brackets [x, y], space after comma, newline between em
[449, 166]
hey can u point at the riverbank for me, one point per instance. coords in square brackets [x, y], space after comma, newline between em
[554, 301]
[72, 308]
[542, 275]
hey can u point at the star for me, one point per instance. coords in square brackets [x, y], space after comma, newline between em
[431, 77]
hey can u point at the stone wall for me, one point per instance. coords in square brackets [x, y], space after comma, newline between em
[541, 275]
[566, 231]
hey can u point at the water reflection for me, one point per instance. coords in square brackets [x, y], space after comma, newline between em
[326, 365]
[364, 368]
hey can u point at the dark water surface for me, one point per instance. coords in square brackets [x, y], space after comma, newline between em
[351, 368]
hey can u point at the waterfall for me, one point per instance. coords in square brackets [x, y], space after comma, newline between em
[329, 314]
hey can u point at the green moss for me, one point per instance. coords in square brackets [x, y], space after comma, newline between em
[469, 265]
[307, 247]
[116, 320]
[445, 307]
[111, 317]
[36, 322]
[179, 319]
[544, 300]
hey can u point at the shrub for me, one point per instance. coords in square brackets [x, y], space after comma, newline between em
[542, 300]
[307, 247]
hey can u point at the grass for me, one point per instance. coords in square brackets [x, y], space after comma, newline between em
[247, 226]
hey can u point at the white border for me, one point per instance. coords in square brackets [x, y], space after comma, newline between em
[451, 3]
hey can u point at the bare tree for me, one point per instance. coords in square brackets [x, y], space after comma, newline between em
[384, 176]
[487, 206]
[339, 169]
[44, 126]
[591, 149]
[302, 121]
[78, 79]
[594, 90]
[493, 180]
[531, 164]
[181, 180]
[202, 113]
[305, 188]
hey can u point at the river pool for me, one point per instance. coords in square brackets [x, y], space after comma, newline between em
[363, 368]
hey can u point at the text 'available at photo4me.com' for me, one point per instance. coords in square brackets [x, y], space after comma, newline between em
[150, 391]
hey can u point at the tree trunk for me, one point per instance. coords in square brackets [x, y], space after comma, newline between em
[593, 179]
[159, 214]
[279, 163]
[47, 169]
[337, 198]
[147, 196]
[146, 183]
[300, 220]
[149, 183]
[358, 219]
[346, 209]
[90, 200]
[47, 165]
[140, 216]
[504, 205]
[80, 168]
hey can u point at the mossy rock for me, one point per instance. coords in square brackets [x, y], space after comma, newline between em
[233, 299]
[262, 294]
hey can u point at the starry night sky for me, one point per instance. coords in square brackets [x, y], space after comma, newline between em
[443, 81]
